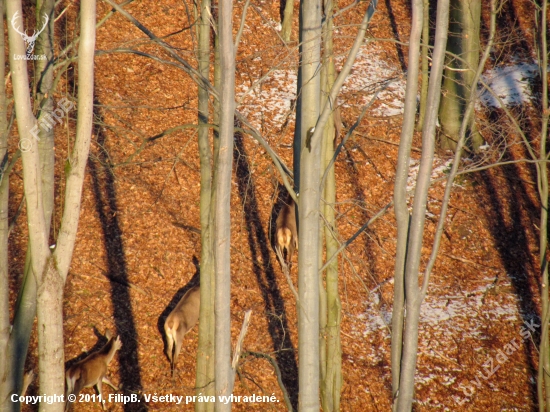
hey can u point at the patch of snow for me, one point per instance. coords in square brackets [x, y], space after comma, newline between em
[444, 319]
[371, 73]
[269, 100]
[512, 84]
[440, 168]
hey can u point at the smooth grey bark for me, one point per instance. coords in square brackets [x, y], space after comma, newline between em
[466, 121]
[4, 222]
[307, 142]
[416, 227]
[205, 350]
[30, 158]
[330, 305]
[50, 292]
[400, 195]
[38, 237]
[43, 81]
[425, 63]
[25, 309]
[287, 20]
[310, 196]
[222, 236]
[18, 343]
[543, 380]
[50, 269]
[464, 28]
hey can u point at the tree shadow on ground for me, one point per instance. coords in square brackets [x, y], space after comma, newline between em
[104, 190]
[512, 217]
[274, 306]
[395, 30]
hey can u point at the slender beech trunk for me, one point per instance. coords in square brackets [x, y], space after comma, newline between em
[38, 238]
[50, 293]
[308, 236]
[205, 351]
[330, 313]
[425, 64]
[50, 290]
[222, 236]
[50, 269]
[309, 161]
[416, 232]
[544, 352]
[43, 81]
[4, 222]
[25, 309]
[287, 20]
[400, 196]
[464, 28]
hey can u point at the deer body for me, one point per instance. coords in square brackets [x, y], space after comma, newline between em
[180, 321]
[286, 234]
[92, 370]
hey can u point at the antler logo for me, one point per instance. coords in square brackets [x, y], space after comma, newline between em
[29, 40]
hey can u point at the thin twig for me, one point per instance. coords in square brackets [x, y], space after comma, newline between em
[356, 234]
[277, 372]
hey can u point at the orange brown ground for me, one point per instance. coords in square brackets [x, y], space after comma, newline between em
[137, 236]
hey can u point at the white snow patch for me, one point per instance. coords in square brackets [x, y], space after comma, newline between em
[371, 73]
[445, 319]
[510, 83]
[270, 100]
[440, 167]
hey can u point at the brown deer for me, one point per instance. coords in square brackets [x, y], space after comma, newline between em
[286, 234]
[180, 321]
[92, 370]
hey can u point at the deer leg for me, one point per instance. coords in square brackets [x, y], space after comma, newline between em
[108, 382]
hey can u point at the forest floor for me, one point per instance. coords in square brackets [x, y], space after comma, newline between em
[138, 243]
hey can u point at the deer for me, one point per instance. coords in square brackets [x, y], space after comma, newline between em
[180, 321]
[92, 370]
[286, 233]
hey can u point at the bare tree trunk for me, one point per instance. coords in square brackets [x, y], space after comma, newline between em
[400, 196]
[308, 235]
[51, 270]
[38, 237]
[4, 222]
[331, 352]
[308, 278]
[287, 20]
[544, 352]
[25, 309]
[18, 343]
[44, 105]
[425, 64]
[464, 28]
[416, 231]
[31, 171]
[205, 350]
[222, 236]
[50, 291]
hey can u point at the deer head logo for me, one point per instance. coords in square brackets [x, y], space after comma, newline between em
[29, 40]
